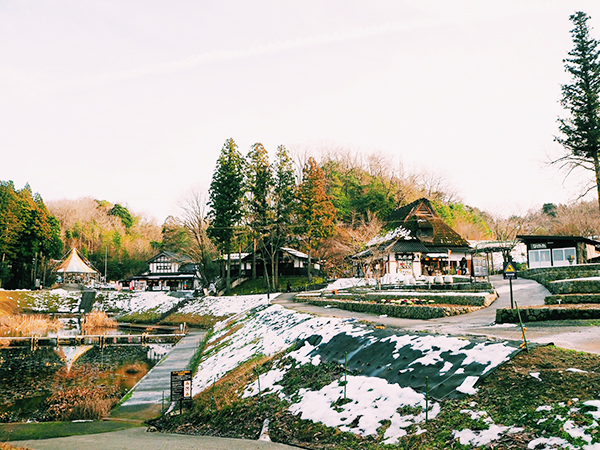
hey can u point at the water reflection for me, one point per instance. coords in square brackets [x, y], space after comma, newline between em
[28, 378]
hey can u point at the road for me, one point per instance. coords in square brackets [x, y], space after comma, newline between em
[136, 438]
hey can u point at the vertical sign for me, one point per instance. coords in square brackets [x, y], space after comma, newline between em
[181, 385]
[480, 266]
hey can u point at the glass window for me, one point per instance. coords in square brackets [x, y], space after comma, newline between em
[558, 255]
[570, 255]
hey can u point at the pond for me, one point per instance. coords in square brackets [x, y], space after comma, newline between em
[39, 384]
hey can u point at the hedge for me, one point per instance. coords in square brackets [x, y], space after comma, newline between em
[463, 287]
[547, 275]
[484, 299]
[403, 311]
[586, 286]
[572, 299]
[575, 312]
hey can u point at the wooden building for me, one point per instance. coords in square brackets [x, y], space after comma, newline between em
[168, 271]
[291, 262]
[556, 251]
[421, 244]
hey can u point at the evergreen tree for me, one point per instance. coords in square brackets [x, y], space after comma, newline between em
[316, 213]
[29, 236]
[284, 204]
[225, 201]
[259, 188]
[581, 98]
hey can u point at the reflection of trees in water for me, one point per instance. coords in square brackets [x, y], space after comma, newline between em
[27, 378]
[113, 356]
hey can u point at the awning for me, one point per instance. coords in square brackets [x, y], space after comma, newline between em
[436, 255]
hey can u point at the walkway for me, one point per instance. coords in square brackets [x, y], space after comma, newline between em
[148, 395]
[482, 322]
[135, 438]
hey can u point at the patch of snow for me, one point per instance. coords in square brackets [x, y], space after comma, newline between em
[345, 283]
[399, 232]
[544, 408]
[549, 443]
[373, 400]
[595, 404]
[483, 437]
[572, 369]
[577, 432]
[468, 386]
[535, 375]
[223, 306]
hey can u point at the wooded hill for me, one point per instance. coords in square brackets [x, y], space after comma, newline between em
[363, 190]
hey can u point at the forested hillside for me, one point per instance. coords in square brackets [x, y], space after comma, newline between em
[29, 237]
[330, 206]
[107, 234]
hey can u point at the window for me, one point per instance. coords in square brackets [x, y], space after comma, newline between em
[539, 258]
[563, 256]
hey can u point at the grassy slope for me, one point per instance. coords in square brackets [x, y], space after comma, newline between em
[509, 396]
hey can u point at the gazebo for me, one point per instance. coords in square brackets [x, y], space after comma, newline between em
[75, 269]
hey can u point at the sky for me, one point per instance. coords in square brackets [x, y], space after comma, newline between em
[131, 101]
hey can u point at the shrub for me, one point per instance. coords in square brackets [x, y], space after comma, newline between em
[95, 320]
[80, 403]
[26, 325]
[392, 310]
[533, 314]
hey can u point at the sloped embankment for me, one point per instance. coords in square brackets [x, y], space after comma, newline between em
[274, 353]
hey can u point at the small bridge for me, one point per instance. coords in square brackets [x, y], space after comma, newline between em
[102, 340]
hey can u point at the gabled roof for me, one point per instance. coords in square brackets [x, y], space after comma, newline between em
[177, 257]
[424, 223]
[75, 263]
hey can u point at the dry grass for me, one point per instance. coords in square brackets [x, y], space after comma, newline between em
[81, 403]
[27, 325]
[7, 304]
[96, 319]
[5, 446]
[227, 390]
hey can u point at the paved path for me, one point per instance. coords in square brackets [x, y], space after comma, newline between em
[147, 398]
[139, 438]
[482, 322]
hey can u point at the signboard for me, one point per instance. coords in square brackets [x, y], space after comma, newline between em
[510, 271]
[480, 266]
[181, 385]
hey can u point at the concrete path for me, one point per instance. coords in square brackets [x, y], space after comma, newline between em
[136, 438]
[147, 398]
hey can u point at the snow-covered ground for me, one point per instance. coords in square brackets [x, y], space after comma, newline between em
[268, 330]
[225, 306]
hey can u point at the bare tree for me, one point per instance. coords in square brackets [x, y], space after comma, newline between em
[194, 211]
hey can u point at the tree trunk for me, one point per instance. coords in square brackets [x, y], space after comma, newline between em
[275, 266]
[597, 171]
[228, 276]
[254, 259]
[308, 265]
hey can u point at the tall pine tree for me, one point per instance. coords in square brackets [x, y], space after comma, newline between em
[259, 189]
[581, 98]
[226, 201]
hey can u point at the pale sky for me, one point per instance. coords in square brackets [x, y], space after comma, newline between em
[131, 101]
